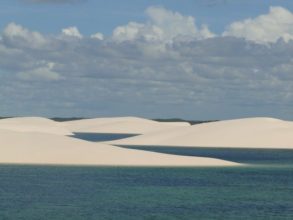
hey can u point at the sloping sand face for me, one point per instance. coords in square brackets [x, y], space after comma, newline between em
[121, 125]
[34, 124]
[244, 133]
[40, 148]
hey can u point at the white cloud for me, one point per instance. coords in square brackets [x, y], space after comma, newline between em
[98, 36]
[127, 32]
[267, 28]
[44, 72]
[16, 34]
[72, 32]
[164, 26]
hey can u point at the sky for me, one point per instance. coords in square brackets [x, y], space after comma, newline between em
[191, 59]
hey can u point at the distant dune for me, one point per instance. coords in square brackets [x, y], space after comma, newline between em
[244, 133]
[121, 125]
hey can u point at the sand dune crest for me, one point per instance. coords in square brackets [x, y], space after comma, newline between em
[247, 132]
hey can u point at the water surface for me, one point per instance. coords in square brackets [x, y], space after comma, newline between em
[96, 137]
[262, 191]
[49, 192]
[276, 157]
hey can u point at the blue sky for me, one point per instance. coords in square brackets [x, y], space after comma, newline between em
[105, 15]
[194, 59]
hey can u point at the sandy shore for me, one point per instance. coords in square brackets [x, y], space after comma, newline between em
[42, 141]
[40, 148]
[238, 133]
[34, 124]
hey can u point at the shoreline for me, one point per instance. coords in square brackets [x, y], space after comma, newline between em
[34, 140]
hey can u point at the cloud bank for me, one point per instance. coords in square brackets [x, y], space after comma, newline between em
[163, 25]
[167, 66]
[268, 28]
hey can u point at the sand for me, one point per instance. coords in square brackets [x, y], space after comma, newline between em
[40, 148]
[120, 125]
[34, 124]
[35, 140]
[239, 133]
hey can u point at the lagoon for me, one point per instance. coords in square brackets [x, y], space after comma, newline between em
[262, 190]
[61, 192]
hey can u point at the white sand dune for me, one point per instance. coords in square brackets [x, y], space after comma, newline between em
[244, 133]
[40, 148]
[34, 124]
[121, 125]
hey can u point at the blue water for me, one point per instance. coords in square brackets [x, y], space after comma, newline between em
[95, 137]
[44, 192]
[276, 157]
[260, 191]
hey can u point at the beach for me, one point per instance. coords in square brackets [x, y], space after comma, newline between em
[261, 132]
[42, 141]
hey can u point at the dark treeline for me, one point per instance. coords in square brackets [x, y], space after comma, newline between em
[67, 119]
[60, 119]
[192, 122]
